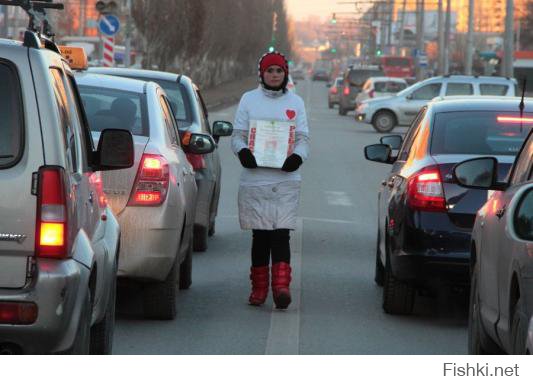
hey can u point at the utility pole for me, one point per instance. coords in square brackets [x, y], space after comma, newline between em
[470, 39]
[5, 26]
[508, 40]
[127, 58]
[447, 31]
[440, 33]
[420, 46]
[83, 9]
[402, 24]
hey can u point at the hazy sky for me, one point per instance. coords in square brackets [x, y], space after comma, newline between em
[301, 9]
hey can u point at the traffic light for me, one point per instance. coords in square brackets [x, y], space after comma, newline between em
[379, 52]
[106, 7]
[334, 50]
[333, 19]
[271, 48]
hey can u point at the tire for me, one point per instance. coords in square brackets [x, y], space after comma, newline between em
[476, 334]
[379, 272]
[185, 280]
[398, 296]
[384, 121]
[519, 328]
[330, 105]
[200, 238]
[342, 111]
[212, 230]
[82, 341]
[102, 333]
[159, 298]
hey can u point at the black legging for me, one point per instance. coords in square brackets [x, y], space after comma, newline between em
[266, 242]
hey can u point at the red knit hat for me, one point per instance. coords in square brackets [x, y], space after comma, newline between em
[271, 59]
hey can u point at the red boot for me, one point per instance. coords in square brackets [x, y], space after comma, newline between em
[281, 279]
[259, 277]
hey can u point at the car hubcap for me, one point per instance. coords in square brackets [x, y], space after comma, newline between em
[384, 121]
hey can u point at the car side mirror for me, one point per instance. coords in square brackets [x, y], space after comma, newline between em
[379, 153]
[409, 97]
[523, 217]
[200, 144]
[478, 173]
[394, 141]
[115, 150]
[222, 128]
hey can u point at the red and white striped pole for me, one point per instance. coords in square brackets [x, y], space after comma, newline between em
[109, 51]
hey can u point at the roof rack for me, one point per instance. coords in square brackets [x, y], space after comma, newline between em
[39, 28]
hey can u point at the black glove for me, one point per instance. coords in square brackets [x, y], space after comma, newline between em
[247, 158]
[292, 163]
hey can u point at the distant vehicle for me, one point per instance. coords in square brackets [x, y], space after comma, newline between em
[523, 69]
[353, 80]
[501, 297]
[191, 115]
[320, 74]
[59, 241]
[425, 218]
[155, 200]
[388, 112]
[298, 74]
[334, 93]
[377, 87]
[397, 66]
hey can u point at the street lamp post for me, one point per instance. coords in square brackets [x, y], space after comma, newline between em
[470, 39]
[508, 41]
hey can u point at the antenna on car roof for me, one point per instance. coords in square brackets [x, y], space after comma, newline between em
[522, 105]
[36, 11]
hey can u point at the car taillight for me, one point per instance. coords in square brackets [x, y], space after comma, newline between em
[346, 91]
[18, 313]
[371, 93]
[96, 180]
[51, 228]
[425, 191]
[151, 183]
[197, 161]
[334, 90]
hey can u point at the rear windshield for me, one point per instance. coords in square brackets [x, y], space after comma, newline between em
[397, 62]
[357, 77]
[477, 132]
[389, 86]
[114, 109]
[11, 127]
[493, 89]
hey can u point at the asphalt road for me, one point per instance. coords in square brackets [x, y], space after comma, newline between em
[336, 305]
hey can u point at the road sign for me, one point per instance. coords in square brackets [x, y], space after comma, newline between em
[109, 25]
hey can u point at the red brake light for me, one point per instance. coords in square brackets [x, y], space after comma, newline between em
[346, 90]
[197, 161]
[96, 180]
[425, 191]
[51, 229]
[513, 119]
[334, 90]
[151, 183]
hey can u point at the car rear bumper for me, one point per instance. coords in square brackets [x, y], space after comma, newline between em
[58, 290]
[149, 244]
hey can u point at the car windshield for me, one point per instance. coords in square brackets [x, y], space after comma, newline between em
[478, 133]
[389, 86]
[10, 117]
[410, 89]
[358, 76]
[108, 108]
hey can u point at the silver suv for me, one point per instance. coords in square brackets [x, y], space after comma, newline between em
[400, 110]
[59, 241]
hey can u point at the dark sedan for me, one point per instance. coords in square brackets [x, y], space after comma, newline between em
[192, 116]
[425, 218]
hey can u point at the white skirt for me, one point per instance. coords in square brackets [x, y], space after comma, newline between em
[269, 207]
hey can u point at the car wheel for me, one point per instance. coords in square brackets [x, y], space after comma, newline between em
[159, 298]
[186, 270]
[82, 340]
[201, 234]
[519, 328]
[211, 229]
[398, 295]
[384, 121]
[342, 111]
[379, 273]
[102, 333]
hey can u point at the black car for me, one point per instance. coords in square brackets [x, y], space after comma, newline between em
[192, 116]
[425, 218]
[353, 80]
[320, 74]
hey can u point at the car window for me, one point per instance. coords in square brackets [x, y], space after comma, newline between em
[493, 89]
[170, 123]
[107, 108]
[521, 170]
[389, 86]
[523, 218]
[427, 92]
[11, 117]
[357, 77]
[459, 89]
[475, 133]
[69, 136]
[86, 136]
[203, 111]
[411, 135]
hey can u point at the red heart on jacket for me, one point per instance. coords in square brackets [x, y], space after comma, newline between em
[291, 114]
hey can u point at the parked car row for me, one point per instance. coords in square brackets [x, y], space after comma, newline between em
[457, 206]
[104, 176]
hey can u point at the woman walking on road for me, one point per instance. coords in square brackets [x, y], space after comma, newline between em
[268, 197]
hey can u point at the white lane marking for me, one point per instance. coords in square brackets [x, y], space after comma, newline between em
[338, 198]
[324, 220]
[284, 333]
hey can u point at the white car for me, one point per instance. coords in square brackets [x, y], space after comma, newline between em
[400, 110]
[377, 87]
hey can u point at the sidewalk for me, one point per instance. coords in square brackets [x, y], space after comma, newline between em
[228, 93]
